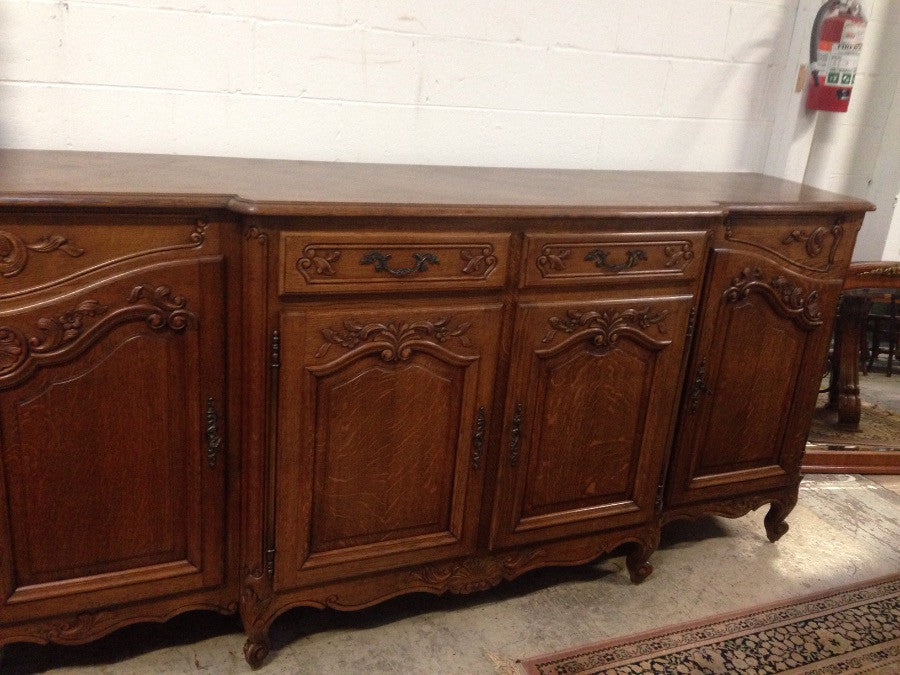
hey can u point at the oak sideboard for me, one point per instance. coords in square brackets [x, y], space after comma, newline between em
[249, 385]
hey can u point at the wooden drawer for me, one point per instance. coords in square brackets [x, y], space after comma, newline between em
[813, 244]
[43, 251]
[324, 262]
[570, 259]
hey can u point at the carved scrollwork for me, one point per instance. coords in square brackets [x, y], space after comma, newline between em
[72, 629]
[481, 262]
[815, 240]
[814, 243]
[396, 338]
[609, 324]
[256, 597]
[59, 337]
[318, 261]
[55, 333]
[552, 259]
[789, 299]
[473, 574]
[14, 251]
[679, 253]
[172, 313]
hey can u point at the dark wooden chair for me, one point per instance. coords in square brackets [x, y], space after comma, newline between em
[881, 334]
[865, 283]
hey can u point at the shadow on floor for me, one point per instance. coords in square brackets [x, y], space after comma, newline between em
[192, 627]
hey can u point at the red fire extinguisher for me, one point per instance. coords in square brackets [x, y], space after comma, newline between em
[835, 45]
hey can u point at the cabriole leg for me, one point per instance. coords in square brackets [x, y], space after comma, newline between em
[637, 561]
[256, 649]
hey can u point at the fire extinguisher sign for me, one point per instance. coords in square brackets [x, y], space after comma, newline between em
[835, 47]
[839, 60]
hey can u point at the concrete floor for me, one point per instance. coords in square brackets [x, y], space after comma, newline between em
[884, 391]
[844, 529]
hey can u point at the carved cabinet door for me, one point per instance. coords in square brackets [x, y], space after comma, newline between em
[754, 376]
[111, 467]
[381, 436]
[589, 415]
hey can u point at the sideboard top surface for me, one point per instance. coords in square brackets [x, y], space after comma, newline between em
[279, 187]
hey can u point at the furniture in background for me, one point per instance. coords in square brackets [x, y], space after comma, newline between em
[247, 385]
[865, 282]
[882, 332]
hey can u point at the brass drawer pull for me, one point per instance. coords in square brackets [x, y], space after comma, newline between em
[600, 258]
[380, 260]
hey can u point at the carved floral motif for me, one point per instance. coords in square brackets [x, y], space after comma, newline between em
[14, 251]
[481, 262]
[58, 333]
[319, 261]
[679, 253]
[65, 327]
[552, 259]
[609, 323]
[790, 299]
[397, 338]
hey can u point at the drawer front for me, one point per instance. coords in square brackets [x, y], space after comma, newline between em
[327, 262]
[42, 251]
[571, 259]
[819, 245]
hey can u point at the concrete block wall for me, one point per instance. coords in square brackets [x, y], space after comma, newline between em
[858, 152]
[661, 84]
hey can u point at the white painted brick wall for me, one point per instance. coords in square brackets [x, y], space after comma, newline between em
[663, 84]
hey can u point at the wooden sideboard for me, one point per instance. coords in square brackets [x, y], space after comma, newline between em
[248, 385]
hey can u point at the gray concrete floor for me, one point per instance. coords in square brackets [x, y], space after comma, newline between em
[844, 529]
[881, 390]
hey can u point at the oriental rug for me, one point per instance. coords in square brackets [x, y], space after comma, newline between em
[855, 629]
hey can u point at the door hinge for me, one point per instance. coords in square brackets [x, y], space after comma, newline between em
[270, 562]
[692, 319]
[660, 490]
[275, 359]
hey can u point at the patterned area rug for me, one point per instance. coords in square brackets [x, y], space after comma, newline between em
[879, 428]
[855, 629]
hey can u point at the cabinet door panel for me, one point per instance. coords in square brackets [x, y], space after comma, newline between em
[102, 411]
[592, 392]
[760, 337]
[377, 411]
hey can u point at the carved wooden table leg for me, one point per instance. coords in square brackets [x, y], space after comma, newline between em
[851, 322]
